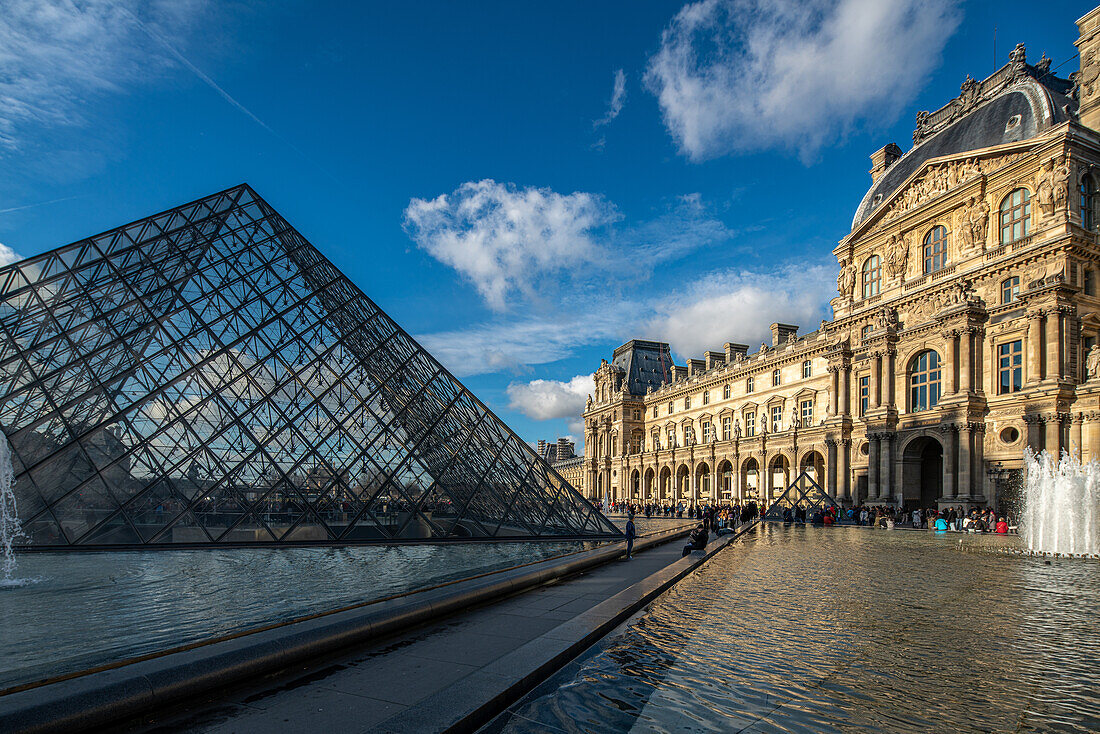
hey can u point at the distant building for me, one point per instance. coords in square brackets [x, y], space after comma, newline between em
[561, 450]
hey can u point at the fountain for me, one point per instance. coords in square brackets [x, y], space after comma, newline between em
[10, 529]
[1061, 505]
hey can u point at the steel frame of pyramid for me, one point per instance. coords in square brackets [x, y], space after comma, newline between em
[205, 376]
[804, 490]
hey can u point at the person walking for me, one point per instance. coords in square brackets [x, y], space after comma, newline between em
[631, 534]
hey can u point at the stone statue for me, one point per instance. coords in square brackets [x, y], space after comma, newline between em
[897, 254]
[794, 417]
[1044, 188]
[736, 428]
[1092, 363]
[1061, 183]
[846, 279]
[588, 404]
[885, 317]
[763, 346]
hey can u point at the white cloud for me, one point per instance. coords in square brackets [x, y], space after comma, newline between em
[739, 307]
[721, 306]
[8, 256]
[505, 239]
[618, 97]
[548, 399]
[745, 75]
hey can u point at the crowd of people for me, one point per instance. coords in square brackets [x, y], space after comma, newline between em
[974, 521]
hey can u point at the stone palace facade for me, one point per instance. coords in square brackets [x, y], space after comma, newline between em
[964, 329]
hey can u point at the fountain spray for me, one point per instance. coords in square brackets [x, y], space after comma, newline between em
[10, 528]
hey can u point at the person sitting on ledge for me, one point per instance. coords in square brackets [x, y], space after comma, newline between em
[941, 524]
[697, 540]
[1002, 526]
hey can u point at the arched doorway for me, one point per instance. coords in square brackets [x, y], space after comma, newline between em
[725, 483]
[703, 490]
[666, 483]
[635, 485]
[813, 463]
[922, 472]
[683, 484]
[779, 476]
[647, 485]
[750, 478]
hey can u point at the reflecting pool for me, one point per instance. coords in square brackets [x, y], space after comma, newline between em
[839, 629]
[73, 611]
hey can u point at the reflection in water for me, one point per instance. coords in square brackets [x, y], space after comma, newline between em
[820, 630]
[95, 608]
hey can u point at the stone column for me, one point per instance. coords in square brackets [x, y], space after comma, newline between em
[845, 474]
[872, 466]
[977, 434]
[1076, 436]
[891, 376]
[1054, 344]
[950, 458]
[885, 478]
[834, 392]
[1033, 344]
[966, 355]
[845, 389]
[964, 476]
[830, 476]
[950, 387]
[1054, 435]
[873, 383]
[1034, 432]
[1093, 434]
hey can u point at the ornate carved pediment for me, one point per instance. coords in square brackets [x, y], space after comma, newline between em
[925, 307]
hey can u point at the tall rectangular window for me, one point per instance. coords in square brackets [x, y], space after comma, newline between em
[750, 424]
[654, 411]
[687, 402]
[807, 413]
[706, 432]
[777, 377]
[864, 394]
[777, 418]
[727, 429]
[656, 441]
[1010, 369]
[807, 369]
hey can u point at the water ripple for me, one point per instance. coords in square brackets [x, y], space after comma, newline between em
[842, 629]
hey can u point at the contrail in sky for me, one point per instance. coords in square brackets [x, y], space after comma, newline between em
[41, 203]
[217, 88]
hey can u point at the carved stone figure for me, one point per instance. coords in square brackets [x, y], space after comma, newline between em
[1061, 183]
[974, 220]
[1092, 362]
[794, 417]
[886, 317]
[897, 254]
[1044, 188]
[846, 279]
[737, 428]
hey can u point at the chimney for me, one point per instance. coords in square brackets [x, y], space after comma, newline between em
[735, 352]
[696, 367]
[780, 332]
[882, 159]
[679, 373]
[714, 359]
[1088, 46]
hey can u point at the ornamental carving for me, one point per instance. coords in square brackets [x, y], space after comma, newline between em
[1052, 185]
[1090, 72]
[846, 279]
[1092, 362]
[955, 294]
[941, 178]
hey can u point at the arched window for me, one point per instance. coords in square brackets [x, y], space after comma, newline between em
[750, 383]
[807, 369]
[706, 397]
[1010, 289]
[865, 332]
[726, 392]
[935, 249]
[872, 276]
[1015, 216]
[924, 381]
[1087, 191]
[687, 402]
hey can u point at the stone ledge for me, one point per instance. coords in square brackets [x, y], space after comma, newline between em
[467, 705]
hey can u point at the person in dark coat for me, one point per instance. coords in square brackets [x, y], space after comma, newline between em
[697, 540]
[631, 534]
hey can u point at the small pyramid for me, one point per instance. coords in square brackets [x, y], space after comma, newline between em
[206, 376]
[804, 491]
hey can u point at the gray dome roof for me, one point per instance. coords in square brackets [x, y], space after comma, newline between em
[1040, 106]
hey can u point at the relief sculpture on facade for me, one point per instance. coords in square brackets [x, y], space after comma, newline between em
[942, 178]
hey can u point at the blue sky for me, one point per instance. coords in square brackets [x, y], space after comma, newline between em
[522, 186]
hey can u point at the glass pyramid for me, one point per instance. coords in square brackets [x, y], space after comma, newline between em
[803, 492]
[206, 376]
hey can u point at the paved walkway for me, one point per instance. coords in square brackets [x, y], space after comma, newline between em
[429, 678]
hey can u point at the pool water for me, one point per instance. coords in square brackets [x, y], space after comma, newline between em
[73, 611]
[802, 629]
